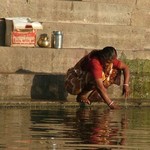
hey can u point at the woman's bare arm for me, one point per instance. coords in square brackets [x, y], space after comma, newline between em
[103, 92]
[126, 73]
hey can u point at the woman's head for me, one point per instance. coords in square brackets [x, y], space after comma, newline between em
[108, 53]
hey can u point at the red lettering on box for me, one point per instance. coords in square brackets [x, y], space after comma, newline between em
[24, 38]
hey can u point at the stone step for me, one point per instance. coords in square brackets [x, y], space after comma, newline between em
[97, 36]
[76, 12]
[32, 86]
[37, 86]
[38, 60]
[57, 61]
[38, 73]
[89, 24]
[67, 10]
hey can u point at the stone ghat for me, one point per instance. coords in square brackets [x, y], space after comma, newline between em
[39, 73]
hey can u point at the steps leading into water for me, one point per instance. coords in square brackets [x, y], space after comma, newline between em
[27, 73]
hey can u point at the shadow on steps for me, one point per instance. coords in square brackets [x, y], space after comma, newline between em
[48, 87]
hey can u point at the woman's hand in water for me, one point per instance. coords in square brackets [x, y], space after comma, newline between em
[114, 105]
[125, 90]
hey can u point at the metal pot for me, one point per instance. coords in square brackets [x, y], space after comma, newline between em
[43, 41]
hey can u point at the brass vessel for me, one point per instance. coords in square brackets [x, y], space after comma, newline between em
[43, 41]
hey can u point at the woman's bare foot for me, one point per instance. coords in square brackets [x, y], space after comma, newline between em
[83, 99]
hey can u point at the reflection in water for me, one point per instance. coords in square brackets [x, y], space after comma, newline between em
[99, 129]
[74, 128]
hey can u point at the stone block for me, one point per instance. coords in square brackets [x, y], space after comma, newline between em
[98, 36]
[147, 39]
[101, 13]
[32, 86]
[50, 87]
[140, 85]
[112, 1]
[38, 60]
[55, 61]
[143, 4]
[100, 23]
[141, 18]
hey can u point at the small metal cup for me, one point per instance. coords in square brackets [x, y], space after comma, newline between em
[57, 39]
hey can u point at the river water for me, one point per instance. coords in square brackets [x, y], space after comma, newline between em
[74, 128]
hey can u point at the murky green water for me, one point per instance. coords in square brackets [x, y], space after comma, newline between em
[74, 128]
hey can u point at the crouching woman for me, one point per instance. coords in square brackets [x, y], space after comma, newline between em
[94, 73]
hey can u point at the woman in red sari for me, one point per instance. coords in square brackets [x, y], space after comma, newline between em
[94, 73]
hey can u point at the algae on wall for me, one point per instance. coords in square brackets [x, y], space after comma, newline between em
[140, 79]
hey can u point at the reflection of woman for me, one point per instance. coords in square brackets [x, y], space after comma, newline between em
[106, 133]
[102, 132]
[94, 73]
[97, 127]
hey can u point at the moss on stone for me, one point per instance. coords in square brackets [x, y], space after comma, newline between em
[139, 66]
[140, 78]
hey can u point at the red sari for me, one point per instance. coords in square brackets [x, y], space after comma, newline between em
[78, 77]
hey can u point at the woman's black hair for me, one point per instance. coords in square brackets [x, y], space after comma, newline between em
[107, 53]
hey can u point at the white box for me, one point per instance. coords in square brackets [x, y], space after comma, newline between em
[21, 32]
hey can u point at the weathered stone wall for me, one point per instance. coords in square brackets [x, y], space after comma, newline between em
[89, 23]
[38, 73]
[86, 25]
